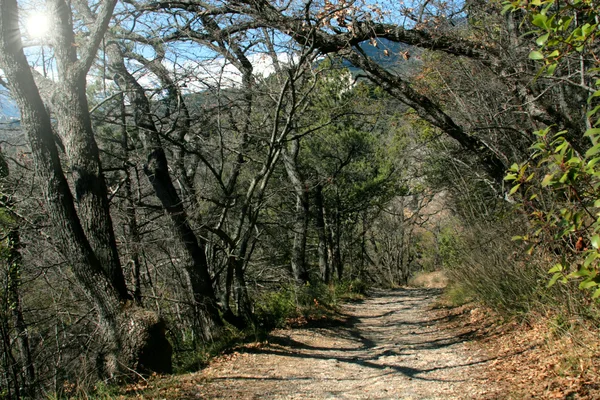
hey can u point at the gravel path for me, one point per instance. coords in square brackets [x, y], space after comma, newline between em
[390, 346]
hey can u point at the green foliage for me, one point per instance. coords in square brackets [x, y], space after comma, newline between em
[458, 294]
[348, 149]
[352, 289]
[274, 309]
[193, 355]
[484, 264]
[560, 196]
[559, 186]
[561, 28]
[450, 247]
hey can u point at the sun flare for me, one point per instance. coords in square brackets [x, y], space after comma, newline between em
[38, 25]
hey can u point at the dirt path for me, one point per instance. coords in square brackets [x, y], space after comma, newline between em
[390, 346]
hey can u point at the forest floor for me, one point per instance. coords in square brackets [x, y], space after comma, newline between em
[396, 344]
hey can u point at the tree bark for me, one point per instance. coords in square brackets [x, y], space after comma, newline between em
[69, 102]
[302, 213]
[320, 224]
[131, 228]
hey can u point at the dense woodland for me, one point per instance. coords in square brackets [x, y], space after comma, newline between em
[183, 171]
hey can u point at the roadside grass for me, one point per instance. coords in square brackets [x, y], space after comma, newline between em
[434, 279]
[549, 353]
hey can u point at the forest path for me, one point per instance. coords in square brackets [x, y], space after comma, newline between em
[392, 345]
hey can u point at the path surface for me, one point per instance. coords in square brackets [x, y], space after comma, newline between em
[390, 346]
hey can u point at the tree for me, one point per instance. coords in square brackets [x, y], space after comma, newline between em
[99, 274]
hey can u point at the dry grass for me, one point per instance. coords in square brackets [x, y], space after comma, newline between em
[546, 357]
[432, 280]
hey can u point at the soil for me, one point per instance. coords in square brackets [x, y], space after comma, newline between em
[393, 345]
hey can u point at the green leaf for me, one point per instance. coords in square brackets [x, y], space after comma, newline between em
[507, 7]
[590, 259]
[539, 20]
[587, 29]
[594, 150]
[536, 55]
[514, 189]
[554, 54]
[542, 39]
[580, 273]
[595, 241]
[587, 284]
[596, 294]
[593, 111]
[565, 22]
[554, 279]
[547, 179]
[538, 146]
[551, 69]
[556, 268]
[530, 177]
[593, 162]
[592, 131]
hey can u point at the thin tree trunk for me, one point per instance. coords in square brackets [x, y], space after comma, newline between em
[15, 266]
[337, 264]
[300, 234]
[320, 224]
[14, 263]
[131, 228]
[301, 218]
[157, 171]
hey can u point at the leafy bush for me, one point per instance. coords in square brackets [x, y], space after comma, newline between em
[559, 188]
[274, 309]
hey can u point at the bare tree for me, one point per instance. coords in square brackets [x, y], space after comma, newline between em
[100, 275]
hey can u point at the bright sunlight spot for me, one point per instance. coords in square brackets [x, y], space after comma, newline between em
[38, 25]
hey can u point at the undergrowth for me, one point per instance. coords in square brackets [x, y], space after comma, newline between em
[287, 305]
[275, 308]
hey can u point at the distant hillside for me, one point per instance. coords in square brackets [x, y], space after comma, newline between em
[397, 57]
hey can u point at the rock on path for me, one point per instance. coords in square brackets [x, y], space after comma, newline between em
[390, 346]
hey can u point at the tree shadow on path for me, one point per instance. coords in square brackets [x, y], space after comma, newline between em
[365, 346]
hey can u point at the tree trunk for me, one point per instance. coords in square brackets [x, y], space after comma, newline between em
[301, 219]
[300, 232]
[320, 224]
[157, 171]
[69, 102]
[337, 264]
[14, 265]
[131, 228]
[131, 342]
